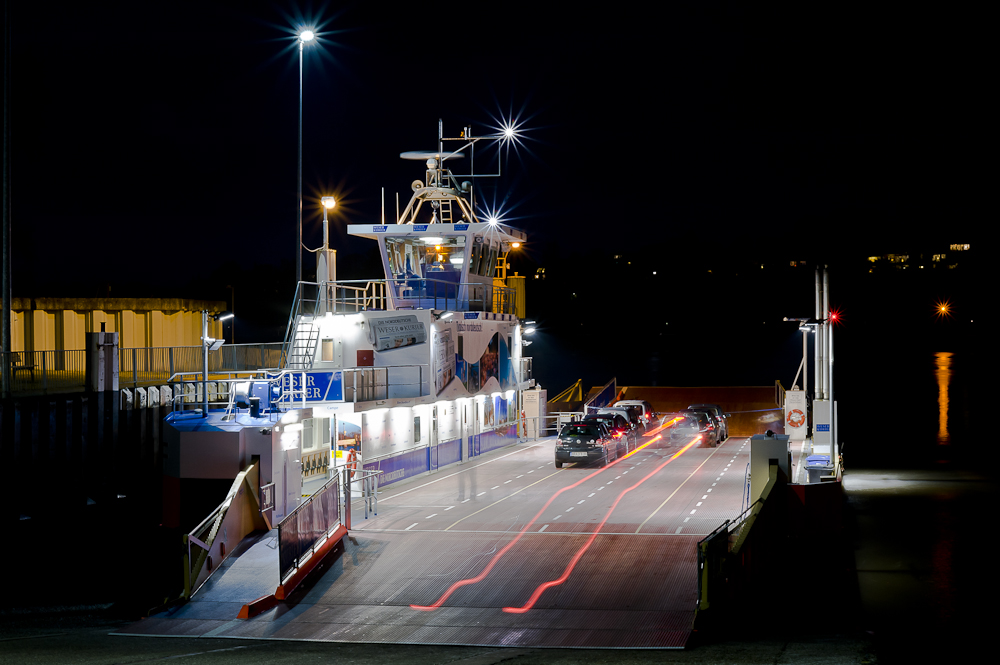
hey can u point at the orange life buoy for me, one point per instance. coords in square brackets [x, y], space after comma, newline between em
[352, 462]
[796, 418]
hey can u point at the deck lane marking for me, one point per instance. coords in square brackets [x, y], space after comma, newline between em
[698, 504]
[481, 493]
[411, 526]
[617, 477]
[693, 511]
[677, 490]
[506, 548]
[467, 500]
[437, 480]
[599, 489]
[710, 488]
[495, 487]
[430, 516]
[521, 476]
[580, 501]
[583, 549]
[449, 508]
[556, 517]
[543, 528]
[508, 481]
[706, 496]
[686, 519]
[678, 529]
[540, 480]
[592, 494]
[569, 509]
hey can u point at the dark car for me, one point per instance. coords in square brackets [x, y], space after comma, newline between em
[631, 413]
[619, 428]
[581, 441]
[693, 423]
[647, 416]
[720, 416]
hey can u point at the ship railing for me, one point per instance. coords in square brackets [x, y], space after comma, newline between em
[308, 526]
[360, 384]
[220, 386]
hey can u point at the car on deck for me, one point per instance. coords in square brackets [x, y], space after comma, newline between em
[720, 416]
[582, 441]
[648, 414]
[691, 424]
[619, 428]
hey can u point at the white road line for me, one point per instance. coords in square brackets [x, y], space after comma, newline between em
[411, 526]
[698, 504]
[556, 517]
[569, 509]
[714, 484]
[508, 481]
[430, 516]
[693, 512]
[481, 493]
[609, 482]
[624, 472]
[543, 528]
[450, 507]
[580, 501]
[496, 487]
[467, 501]
[600, 488]
[617, 477]
[678, 529]
[704, 497]
[592, 494]
[686, 519]
[709, 489]
[719, 478]
[521, 476]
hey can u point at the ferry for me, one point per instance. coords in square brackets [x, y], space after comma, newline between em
[392, 377]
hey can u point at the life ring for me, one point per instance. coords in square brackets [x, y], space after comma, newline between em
[352, 462]
[796, 418]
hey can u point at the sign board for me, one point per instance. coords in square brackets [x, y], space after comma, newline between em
[319, 386]
[796, 415]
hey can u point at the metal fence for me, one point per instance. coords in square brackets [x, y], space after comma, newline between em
[66, 371]
[304, 527]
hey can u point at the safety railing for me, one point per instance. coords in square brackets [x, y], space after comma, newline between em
[46, 371]
[66, 370]
[307, 527]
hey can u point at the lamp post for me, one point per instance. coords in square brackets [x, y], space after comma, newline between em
[208, 344]
[304, 37]
[326, 258]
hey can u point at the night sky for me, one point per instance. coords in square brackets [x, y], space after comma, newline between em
[154, 153]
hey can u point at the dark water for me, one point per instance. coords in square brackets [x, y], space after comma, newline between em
[921, 489]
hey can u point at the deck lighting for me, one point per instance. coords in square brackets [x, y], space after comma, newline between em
[307, 36]
[304, 37]
[528, 331]
[328, 202]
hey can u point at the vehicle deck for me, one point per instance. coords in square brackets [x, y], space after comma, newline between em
[619, 542]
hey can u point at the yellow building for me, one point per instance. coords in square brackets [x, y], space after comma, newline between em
[60, 324]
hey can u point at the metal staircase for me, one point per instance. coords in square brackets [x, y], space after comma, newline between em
[302, 349]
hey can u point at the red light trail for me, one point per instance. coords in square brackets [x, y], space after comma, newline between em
[579, 554]
[496, 557]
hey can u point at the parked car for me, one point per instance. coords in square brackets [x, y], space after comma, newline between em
[721, 418]
[647, 416]
[619, 428]
[694, 423]
[581, 441]
[630, 413]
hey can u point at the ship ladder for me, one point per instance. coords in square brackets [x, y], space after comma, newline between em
[302, 351]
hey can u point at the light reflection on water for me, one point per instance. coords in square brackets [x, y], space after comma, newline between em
[942, 360]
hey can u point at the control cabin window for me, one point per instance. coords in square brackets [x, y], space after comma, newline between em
[422, 257]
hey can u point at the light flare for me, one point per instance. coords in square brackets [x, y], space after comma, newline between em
[583, 549]
[496, 557]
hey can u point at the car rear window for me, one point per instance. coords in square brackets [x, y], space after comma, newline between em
[579, 430]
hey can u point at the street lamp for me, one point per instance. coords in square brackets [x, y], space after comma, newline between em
[304, 36]
[326, 258]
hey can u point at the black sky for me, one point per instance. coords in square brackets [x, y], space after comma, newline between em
[153, 139]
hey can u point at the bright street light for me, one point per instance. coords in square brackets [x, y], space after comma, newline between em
[304, 37]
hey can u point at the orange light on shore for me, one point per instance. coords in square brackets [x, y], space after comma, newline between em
[943, 309]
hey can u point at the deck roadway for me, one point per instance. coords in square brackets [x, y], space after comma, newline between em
[622, 561]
